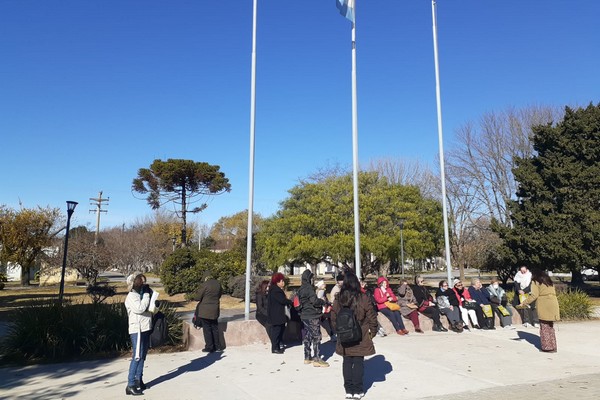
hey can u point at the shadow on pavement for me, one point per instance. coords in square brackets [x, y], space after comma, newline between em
[376, 368]
[327, 349]
[193, 366]
[529, 338]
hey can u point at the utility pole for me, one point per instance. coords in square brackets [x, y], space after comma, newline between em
[98, 204]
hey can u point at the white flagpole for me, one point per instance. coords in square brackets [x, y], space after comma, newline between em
[355, 152]
[251, 174]
[441, 140]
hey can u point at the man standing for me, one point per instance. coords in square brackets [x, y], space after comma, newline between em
[209, 297]
[311, 310]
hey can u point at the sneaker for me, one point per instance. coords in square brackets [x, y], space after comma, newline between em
[349, 396]
[317, 362]
[358, 396]
[536, 325]
[526, 325]
[381, 332]
[308, 361]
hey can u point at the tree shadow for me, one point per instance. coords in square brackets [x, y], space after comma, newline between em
[376, 368]
[193, 366]
[529, 338]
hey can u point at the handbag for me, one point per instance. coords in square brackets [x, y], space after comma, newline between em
[392, 306]
[487, 310]
[412, 306]
[469, 305]
[424, 306]
[503, 311]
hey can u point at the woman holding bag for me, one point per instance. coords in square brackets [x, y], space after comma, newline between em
[408, 305]
[387, 304]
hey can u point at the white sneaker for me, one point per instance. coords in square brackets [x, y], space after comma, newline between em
[536, 325]
[526, 325]
[509, 327]
[349, 396]
[358, 396]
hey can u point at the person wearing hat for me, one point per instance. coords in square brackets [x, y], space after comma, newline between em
[339, 279]
[326, 317]
[311, 310]
[466, 305]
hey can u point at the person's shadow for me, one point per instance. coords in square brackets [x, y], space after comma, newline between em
[529, 338]
[376, 368]
[327, 349]
[194, 365]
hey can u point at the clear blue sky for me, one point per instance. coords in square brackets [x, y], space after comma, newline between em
[90, 91]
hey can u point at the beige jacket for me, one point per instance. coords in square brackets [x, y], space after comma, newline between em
[140, 319]
[547, 303]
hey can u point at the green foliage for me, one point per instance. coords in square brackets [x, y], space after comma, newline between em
[237, 286]
[183, 270]
[48, 331]
[574, 304]
[316, 223]
[174, 322]
[99, 293]
[556, 217]
[183, 182]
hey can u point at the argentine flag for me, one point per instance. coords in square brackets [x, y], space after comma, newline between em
[346, 8]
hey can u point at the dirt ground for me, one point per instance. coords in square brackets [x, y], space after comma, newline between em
[14, 296]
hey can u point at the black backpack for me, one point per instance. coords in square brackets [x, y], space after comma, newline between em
[160, 330]
[347, 328]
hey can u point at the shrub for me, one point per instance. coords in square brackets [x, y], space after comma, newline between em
[99, 293]
[174, 323]
[48, 331]
[574, 304]
[237, 286]
[3, 279]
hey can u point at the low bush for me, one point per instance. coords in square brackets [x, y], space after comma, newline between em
[99, 293]
[174, 323]
[574, 304]
[47, 331]
[237, 286]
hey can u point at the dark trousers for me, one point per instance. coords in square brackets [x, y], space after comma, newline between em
[210, 329]
[276, 336]
[353, 370]
[395, 317]
[433, 313]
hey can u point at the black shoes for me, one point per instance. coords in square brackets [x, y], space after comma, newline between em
[132, 390]
[140, 385]
[207, 350]
[277, 351]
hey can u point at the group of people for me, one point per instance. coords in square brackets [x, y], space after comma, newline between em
[535, 299]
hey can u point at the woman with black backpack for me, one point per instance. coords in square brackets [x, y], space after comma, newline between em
[352, 299]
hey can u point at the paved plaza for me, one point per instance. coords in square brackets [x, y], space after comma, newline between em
[474, 365]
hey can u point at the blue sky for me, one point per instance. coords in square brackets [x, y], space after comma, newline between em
[91, 91]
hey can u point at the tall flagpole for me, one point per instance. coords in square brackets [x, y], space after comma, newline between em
[355, 152]
[441, 140]
[251, 173]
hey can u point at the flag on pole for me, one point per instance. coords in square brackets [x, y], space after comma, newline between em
[346, 8]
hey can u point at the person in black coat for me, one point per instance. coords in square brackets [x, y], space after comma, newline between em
[261, 302]
[276, 317]
[209, 298]
[426, 304]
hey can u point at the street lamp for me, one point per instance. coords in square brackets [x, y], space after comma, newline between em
[70, 209]
[402, 246]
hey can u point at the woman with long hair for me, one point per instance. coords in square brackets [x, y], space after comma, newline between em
[140, 324]
[261, 302]
[542, 291]
[351, 297]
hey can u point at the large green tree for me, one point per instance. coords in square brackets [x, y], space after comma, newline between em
[316, 223]
[182, 182]
[556, 216]
[25, 234]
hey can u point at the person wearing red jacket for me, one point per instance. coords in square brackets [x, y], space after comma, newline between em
[383, 294]
[466, 305]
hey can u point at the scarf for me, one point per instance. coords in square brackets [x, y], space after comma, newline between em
[524, 280]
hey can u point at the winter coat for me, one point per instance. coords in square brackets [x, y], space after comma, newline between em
[547, 303]
[497, 296]
[261, 307]
[140, 319]
[209, 297]
[311, 307]
[405, 297]
[462, 295]
[422, 295]
[446, 298]
[276, 303]
[367, 319]
[380, 296]
[481, 296]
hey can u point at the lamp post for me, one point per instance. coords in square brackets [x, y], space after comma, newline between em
[70, 209]
[402, 246]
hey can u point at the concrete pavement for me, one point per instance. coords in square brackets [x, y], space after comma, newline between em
[472, 365]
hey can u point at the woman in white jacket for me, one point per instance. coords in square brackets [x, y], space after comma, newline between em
[140, 324]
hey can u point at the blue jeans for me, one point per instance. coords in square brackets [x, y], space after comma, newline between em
[136, 367]
[395, 317]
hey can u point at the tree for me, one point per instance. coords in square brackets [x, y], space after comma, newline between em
[316, 224]
[25, 234]
[555, 216]
[181, 182]
[85, 256]
[232, 231]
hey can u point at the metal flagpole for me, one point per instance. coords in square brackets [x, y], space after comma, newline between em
[441, 140]
[355, 152]
[251, 174]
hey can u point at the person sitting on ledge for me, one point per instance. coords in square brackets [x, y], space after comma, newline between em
[386, 300]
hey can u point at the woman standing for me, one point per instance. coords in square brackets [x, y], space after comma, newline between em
[140, 323]
[209, 307]
[542, 290]
[277, 302]
[350, 296]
